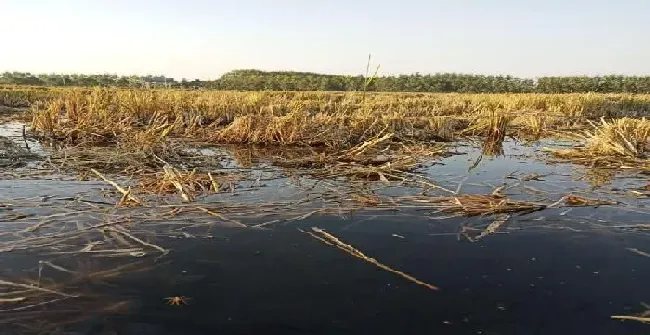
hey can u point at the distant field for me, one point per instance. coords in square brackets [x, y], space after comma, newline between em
[333, 118]
[137, 173]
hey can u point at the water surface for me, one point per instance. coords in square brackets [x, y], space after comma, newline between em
[562, 270]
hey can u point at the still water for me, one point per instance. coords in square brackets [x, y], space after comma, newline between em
[557, 271]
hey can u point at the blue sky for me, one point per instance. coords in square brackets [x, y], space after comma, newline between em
[203, 39]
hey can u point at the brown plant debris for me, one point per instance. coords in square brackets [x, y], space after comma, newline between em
[126, 194]
[330, 239]
[490, 229]
[578, 201]
[35, 288]
[641, 317]
[476, 204]
[617, 143]
[639, 252]
[173, 176]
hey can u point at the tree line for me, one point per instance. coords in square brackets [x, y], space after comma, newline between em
[256, 80]
[112, 80]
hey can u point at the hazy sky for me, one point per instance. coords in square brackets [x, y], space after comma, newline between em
[204, 39]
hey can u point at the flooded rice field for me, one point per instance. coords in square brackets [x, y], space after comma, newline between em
[506, 244]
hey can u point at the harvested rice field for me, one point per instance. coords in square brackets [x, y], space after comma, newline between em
[134, 211]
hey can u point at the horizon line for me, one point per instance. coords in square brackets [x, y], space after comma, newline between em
[36, 74]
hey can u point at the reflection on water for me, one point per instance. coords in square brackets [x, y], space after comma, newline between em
[14, 131]
[71, 263]
[282, 281]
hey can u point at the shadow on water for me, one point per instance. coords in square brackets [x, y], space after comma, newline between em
[562, 270]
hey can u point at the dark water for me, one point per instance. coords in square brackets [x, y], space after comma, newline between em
[285, 282]
[557, 271]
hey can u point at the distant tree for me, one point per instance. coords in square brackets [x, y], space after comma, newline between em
[250, 79]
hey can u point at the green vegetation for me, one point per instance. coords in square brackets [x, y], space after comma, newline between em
[255, 80]
[80, 80]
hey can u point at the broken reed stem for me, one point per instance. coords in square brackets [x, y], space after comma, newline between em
[215, 214]
[113, 252]
[633, 318]
[35, 288]
[333, 240]
[317, 237]
[365, 145]
[45, 220]
[491, 228]
[175, 179]
[29, 242]
[639, 252]
[32, 306]
[36, 226]
[213, 183]
[125, 194]
[164, 251]
[55, 267]
[14, 293]
[422, 180]
[297, 218]
[557, 202]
